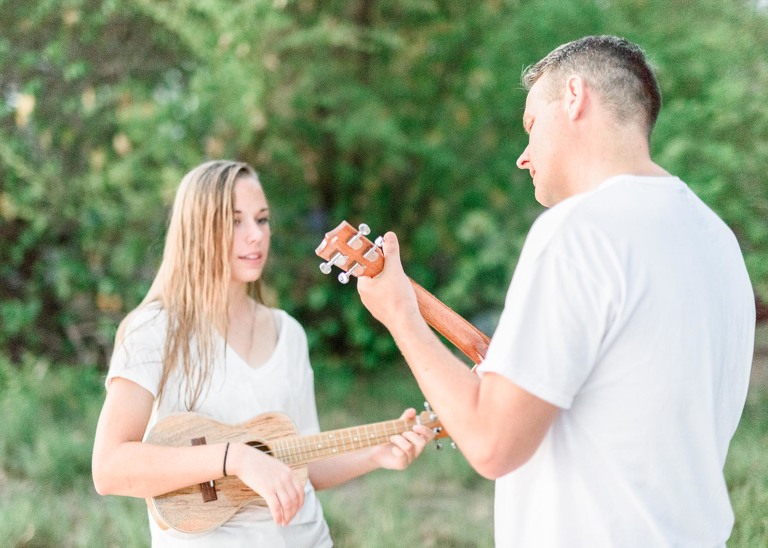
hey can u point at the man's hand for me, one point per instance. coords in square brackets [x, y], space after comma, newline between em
[389, 296]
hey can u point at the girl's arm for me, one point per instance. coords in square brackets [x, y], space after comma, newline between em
[124, 465]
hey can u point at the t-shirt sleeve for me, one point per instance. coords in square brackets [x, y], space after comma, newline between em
[138, 356]
[555, 317]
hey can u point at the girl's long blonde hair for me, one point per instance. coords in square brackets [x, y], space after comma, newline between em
[192, 283]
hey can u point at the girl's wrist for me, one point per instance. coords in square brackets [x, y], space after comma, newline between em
[232, 459]
[224, 465]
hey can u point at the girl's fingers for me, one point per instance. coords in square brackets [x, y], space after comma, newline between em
[286, 502]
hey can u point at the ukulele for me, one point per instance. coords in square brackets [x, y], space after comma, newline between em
[352, 252]
[206, 506]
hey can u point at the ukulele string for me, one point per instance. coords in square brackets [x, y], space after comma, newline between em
[308, 448]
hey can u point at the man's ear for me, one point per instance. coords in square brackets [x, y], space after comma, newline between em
[575, 96]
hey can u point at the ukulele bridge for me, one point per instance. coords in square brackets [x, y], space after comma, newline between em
[208, 488]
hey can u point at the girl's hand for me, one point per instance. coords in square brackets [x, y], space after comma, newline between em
[403, 449]
[270, 478]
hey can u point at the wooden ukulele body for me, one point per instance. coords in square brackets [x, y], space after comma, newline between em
[202, 507]
[185, 509]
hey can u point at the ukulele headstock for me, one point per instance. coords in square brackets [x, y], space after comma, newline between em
[350, 250]
[428, 418]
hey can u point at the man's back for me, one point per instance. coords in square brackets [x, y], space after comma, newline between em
[632, 311]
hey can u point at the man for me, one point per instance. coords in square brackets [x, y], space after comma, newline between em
[619, 368]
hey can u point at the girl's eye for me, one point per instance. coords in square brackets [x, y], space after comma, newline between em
[237, 222]
[263, 221]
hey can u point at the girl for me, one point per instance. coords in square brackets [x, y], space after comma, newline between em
[203, 340]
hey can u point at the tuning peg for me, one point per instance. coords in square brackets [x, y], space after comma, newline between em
[338, 259]
[379, 241]
[371, 255]
[344, 277]
[362, 230]
[428, 408]
[439, 445]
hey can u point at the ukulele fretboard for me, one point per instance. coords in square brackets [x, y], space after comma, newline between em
[294, 450]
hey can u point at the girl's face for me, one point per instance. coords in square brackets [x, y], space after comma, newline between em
[250, 244]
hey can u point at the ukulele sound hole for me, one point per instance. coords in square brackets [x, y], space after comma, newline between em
[261, 446]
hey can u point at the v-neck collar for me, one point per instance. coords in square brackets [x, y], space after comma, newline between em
[279, 323]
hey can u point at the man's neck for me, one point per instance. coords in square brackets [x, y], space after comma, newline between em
[612, 153]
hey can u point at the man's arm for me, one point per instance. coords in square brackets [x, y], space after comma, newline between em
[496, 424]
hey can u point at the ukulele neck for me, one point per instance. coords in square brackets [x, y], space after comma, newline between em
[296, 450]
[462, 334]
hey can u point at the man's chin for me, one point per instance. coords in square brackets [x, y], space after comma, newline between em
[542, 198]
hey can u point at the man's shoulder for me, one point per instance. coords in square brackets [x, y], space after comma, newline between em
[571, 214]
[600, 214]
[618, 197]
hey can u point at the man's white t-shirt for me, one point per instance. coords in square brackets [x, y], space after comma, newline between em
[631, 310]
[238, 392]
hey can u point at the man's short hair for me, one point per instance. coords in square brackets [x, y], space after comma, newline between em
[616, 68]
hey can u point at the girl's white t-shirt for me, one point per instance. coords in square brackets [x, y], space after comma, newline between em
[237, 393]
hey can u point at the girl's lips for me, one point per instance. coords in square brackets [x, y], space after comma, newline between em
[251, 257]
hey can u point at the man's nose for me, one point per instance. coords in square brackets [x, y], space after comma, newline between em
[523, 160]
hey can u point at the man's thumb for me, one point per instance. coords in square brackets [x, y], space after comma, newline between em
[391, 247]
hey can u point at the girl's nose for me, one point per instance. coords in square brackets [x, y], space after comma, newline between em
[255, 232]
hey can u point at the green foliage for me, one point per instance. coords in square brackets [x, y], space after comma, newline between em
[713, 128]
[403, 114]
[36, 403]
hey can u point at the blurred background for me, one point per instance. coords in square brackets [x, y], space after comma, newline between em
[404, 114]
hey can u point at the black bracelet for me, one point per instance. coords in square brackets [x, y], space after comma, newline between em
[226, 450]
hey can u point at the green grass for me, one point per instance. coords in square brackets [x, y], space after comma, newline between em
[439, 501]
[747, 473]
[48, 416]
